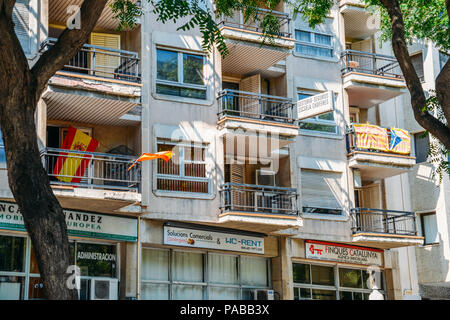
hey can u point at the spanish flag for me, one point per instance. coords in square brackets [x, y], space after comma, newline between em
[165, 155]
[70, 167]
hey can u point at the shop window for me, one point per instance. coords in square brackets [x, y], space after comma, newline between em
[96, 260]
[429, 228]
[11, 287]
[186, 170]
[318, 282]
[12, 253]
[322, 123]
[313, 44]
[180, 74]
[173, 274]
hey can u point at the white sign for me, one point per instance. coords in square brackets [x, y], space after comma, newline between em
[315, 105]
[212, 240]
[343, 253]
[82, 224]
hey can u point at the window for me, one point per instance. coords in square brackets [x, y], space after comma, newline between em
[421, 146]
[321, 192]
[2, 151]
[172, 274]
[429, 228]
[321, 123]
[324, 282]
[417, 62]
[186, 171]
[313, 44]
[21, 20]
[443, 58]
[180, 74]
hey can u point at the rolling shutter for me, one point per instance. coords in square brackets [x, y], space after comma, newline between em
[321, 189]
[106, 61]
[237, 172]
[21, 20]
[250, 106]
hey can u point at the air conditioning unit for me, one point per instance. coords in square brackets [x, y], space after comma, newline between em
[104, 289]
[263, 294]
[265, 177]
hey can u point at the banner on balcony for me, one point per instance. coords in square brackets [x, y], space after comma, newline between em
[70, 167]
[371, 137]
[212, 240]
[343, 253]
[315, 105]
[400, 141]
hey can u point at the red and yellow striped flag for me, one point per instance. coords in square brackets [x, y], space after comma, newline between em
[70, 167]
[165, 155]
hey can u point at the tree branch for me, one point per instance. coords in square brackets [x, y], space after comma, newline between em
[68, 44]
[418, 100]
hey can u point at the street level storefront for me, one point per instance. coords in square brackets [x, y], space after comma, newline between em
[203, 263]
[332, 271]
[95, 248]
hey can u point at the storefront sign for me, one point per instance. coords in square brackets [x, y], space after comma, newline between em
[315, 105]
[212, 240]
[343, 253]
[81, 224]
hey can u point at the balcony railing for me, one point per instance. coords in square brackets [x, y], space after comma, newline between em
[384, 221]
[370, 63]
[101, 170]
[102, 62]
[237, 21]
[377, 139]
[255, 106]
[236, 197]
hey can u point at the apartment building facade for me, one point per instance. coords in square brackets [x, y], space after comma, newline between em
[259, 200]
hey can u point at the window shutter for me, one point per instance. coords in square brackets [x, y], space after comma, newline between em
[21, 20]
[321, 189]
[250, 105]
[107, 61]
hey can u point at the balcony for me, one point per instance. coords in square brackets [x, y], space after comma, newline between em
[371, 150]
[384, 228]
[370, 78]
[265, 208]
[248, 50]
[254, 112]
[105, 184]
[98, 85]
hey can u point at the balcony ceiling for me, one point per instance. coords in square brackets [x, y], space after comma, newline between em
[251, 58]
[87, 109]
[366, 97]
[58, 13]
[357, 22]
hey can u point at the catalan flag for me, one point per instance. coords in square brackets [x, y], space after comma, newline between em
[165, 155]
[371, 137]
[70, 166]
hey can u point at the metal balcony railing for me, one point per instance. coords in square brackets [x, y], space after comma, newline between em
[101, 170]
[237, 21]
[383, 221]
[102, 62]
[255, 106]
[236, 197]
[370, 63]
[353, 144]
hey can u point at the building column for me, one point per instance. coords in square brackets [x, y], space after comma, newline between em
[282, 270]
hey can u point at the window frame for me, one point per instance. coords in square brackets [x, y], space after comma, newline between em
[336, 288]
[206, 284]
[422, 225]
[316, 120]
[180, 74]
[182, 162]
[314, 44]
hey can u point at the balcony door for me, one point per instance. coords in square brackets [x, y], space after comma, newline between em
[365, 62]
[370, 197]
[250, 104]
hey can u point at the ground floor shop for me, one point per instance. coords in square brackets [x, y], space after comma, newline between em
[197, 262]
[95, 245]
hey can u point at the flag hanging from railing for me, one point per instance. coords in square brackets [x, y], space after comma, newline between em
[165, 155]
[70, 167]
[400, 141]
[371, 137]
